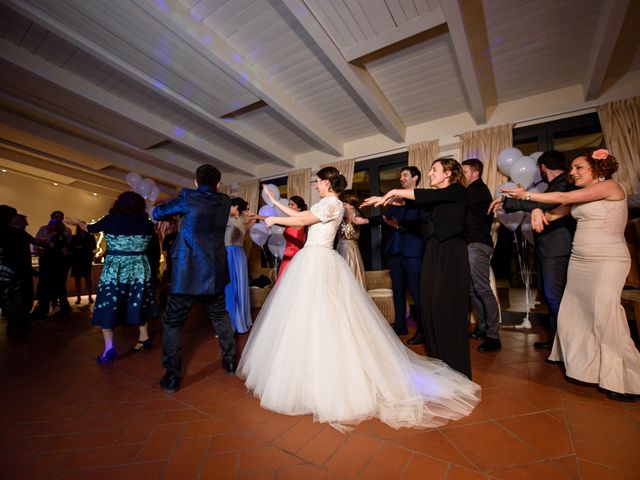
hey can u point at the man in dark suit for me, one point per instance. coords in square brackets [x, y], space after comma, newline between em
[480, 247]
[199, 272]
[553, 244]
[405, 246]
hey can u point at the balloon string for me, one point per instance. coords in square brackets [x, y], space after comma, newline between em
[525, 263]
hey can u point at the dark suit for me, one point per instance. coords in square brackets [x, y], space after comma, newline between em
[405, 246]
[199, 260]
[553, 247]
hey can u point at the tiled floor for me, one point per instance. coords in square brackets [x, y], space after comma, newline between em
[64, 417]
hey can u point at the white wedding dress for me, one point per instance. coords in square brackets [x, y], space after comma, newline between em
[320, 346]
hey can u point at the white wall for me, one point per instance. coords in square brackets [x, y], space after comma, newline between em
[38, 198]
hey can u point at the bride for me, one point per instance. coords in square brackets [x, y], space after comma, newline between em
[320, 345]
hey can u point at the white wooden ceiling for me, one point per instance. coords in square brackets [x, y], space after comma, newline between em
[90, 90]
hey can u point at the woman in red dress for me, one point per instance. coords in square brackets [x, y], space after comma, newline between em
[295, 236]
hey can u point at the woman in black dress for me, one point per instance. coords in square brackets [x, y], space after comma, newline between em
[82, 245]
[445, 279]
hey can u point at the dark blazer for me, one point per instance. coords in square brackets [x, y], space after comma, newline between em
[556, 238]
[478, 223]
[198, 255]
[449, 206]
[407, 238]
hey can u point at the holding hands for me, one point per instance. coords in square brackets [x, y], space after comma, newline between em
[538, 220]
[520, 193]
[390, 198]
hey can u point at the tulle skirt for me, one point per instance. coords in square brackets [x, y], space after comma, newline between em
[238, 302]
[351, 253]
[320, 346]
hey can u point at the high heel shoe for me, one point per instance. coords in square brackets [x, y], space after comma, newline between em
[142, 345]
[107, 357]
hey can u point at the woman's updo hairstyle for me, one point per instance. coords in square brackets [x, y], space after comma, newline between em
[351, 197]
[603, 164]
[453, 166]
[239, 202]
[336, 179]
[299, 201]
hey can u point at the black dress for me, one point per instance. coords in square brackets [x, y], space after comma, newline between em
[445, 280]
[81, 247]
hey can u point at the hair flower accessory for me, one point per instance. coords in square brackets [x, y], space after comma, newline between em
[600, 154]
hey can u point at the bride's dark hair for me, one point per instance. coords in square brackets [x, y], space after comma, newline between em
[336, 179]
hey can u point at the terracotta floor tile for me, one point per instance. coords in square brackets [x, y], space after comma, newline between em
[266, 458]
[80, 441]
[12, 459]
[275, 426]
[460, 473]
[434, 444]
[299, 434]
[593, 471]
[41, 466]
[306, 472]
[389, 463]
[161, 443]
[498, 403]
[421, 468]
[491, 447]
[544, 397]
[534, 471]
[353, 455]
[233, 442]
[569, 465]
[187, 459]
[207, 428]
[543, 432]
[134, 471]
[222, 466]
[101, 457]
[183, 416]
[140, 427]
[322, 446]
[608, 455]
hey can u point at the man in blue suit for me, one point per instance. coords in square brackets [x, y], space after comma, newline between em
[199, 272]
[405, 246]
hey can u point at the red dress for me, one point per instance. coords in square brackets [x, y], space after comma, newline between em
[295, 241]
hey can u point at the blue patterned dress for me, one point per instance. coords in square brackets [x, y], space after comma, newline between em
[125, 292]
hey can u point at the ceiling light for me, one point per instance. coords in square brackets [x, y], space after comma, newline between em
[56, 184]
[94, 194]
[4, 170]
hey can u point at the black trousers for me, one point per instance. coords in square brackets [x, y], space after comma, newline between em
[405, 272]
[554, 278]
[178, 307]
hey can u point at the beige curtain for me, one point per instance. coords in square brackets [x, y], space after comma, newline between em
[345, 167]
[299, 183]
[222, 188]
[422, 155]
[620, 122]
[250, 191]
[485, 145]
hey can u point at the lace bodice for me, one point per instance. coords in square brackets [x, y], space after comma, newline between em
[607, 217]
[330, 212]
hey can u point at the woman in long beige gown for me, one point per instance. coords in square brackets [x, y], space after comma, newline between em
[348, 235]
[593, 338]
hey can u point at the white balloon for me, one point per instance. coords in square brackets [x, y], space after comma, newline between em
[267, 211]
[538, 188]
[132, 179]
[277, 230]
[510, 220]
[535, 155]
[276, 245]
[523, 171]
[259, 233]
[506, 158]
[279, 212]
[502, 186]
[155, 193]
[274, 190]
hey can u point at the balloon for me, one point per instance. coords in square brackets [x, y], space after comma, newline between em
[523, 171]
[538, 188]
[538, 177]
[510, 220]
[155, 193]
[132, 179]
[259, 233]
[527, 231]
[277, 230]
[274, 190]
[267, 211]
[279, 212]
[506, 158]
[276, 245]
[503, 186]
[145, 186]
[535, 155]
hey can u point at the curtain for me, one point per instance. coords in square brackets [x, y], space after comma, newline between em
[250, 192]
[345, 167]
[620, 122]
[485, 145]
[222, 188]
[422, 155]
[299, 183]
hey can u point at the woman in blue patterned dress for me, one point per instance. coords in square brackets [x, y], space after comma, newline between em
[125, 293]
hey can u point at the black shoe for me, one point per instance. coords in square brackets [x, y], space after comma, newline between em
[417, 339]
[552, 362]
[170, 382]
[400, 330]
[107, 357]
[477, 333]
[140, 346]
[623, 397]
[548, 345]
[490, 345]
[230, 367]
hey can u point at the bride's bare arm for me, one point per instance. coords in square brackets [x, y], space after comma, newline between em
[303, 219]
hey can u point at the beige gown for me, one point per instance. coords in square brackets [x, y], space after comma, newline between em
[348, 235]
[593, 336]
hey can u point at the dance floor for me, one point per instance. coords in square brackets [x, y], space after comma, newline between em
[64, 417]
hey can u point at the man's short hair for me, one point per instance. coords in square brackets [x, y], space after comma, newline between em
[553, 160]
[474, 164]
[414, 171]
[56, 213]
[208, 175]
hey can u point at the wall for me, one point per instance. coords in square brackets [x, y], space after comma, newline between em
[20, 192]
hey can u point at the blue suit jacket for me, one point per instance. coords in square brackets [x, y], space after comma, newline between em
[406, 240]
[198, 254]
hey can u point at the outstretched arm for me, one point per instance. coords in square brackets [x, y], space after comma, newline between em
[607, 190]
[302, 220]
[287, 210]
